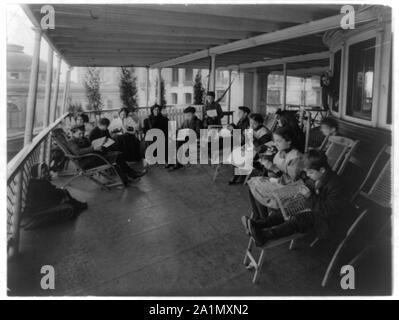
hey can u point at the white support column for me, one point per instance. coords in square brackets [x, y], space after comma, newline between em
[147, 87]
[29, 125]
[266, 85]
[159, 96]
[33, 83]
[212, 74]
[255, 91]
[229, 94]
[66, 91]
[54, 101]
[284, 85]
[47, 98]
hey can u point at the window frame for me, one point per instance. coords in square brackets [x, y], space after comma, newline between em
[377, 68]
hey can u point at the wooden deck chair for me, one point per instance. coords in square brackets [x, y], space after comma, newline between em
[271, 121]
[297, 205]
[376, 187]
[338, 155]
[339, 152]
[106, 170]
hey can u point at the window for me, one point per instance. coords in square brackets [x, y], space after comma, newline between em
[336, 77]
[14, 75]
[273, 97]
[174, 98]
[188, 98]
[361, 79]
[175, 76]
[188, 76]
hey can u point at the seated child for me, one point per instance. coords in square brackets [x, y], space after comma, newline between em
[326, 202]
[101, 130]
[242, 124]
[191, 121]
[45, 202]
[285, 166]
[329, 127]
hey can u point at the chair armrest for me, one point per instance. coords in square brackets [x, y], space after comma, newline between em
[87, 155]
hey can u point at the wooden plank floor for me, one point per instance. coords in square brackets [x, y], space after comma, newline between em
[172, 233]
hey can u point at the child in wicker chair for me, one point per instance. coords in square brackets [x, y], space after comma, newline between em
[326, 201]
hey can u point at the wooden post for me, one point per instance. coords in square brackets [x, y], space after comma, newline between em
[147, 87]
[284, 85]
[53, 110]
[266, 85]
[66, 91]
[159, 96]
[47, 98]
[229, 94]
[255, 91]
[32, 95]
[212, 75]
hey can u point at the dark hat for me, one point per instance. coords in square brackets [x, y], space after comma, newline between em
[189, 110]
[77, 127]
[210, 93]
[245, 109]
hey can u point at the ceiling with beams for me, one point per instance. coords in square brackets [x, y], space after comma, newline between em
[141, 35]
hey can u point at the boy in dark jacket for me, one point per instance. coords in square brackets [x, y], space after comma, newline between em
[45, 202]
[326, 202]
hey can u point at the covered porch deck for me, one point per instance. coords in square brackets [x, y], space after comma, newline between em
[172, 233]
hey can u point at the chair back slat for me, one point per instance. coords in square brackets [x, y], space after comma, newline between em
[380, 192]
[377, 184]
[61, 140]
[271, 121]
[339, 151]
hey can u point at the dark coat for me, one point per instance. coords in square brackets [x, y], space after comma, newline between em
[194, 124]
[42, 195]
[327, 202]
[216, 120]
[97, 133]
[156, 122]
[242, 124]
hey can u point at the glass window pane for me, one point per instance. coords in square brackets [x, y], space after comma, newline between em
[361, 79]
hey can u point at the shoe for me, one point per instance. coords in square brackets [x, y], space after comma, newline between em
[177, 166]
[233, 180]
[244, 220]
[255, 234]
[168, 166]
[136, 174]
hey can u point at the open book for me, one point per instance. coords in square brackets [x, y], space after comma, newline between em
[211, 113]
[102, 142]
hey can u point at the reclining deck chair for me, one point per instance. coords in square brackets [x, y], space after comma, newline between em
[338, 154]
[376, 188]
[106, 170]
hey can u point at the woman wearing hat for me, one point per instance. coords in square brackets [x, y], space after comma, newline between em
[213, 112]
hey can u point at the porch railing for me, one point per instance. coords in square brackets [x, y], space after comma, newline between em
[174, 113]
[18, 174]
[19, 168]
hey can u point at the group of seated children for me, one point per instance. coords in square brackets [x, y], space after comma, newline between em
[324, 194]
